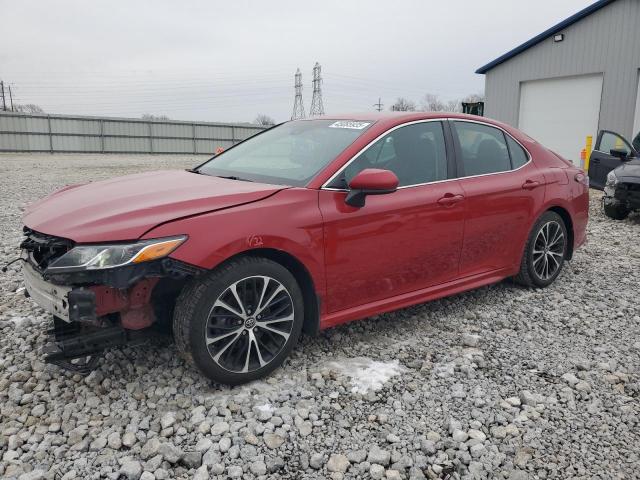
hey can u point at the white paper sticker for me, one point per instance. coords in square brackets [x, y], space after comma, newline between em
[350, 124]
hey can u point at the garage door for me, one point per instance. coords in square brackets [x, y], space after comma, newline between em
[561, 112]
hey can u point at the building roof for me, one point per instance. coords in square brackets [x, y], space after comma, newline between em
[546, 34]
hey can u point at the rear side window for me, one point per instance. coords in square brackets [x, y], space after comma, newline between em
[483, 149]
[518, 155]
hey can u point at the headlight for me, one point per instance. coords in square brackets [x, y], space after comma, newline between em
[98, 257]
[612, 180]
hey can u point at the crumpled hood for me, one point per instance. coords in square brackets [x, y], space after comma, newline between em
[629, 171]
[124, 208]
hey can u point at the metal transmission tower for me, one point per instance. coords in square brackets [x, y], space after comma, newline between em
[4, 103]
[298, 106]
[379, 105]
[317, 108]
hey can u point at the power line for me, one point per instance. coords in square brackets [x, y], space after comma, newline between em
[298, 106]
[317, 107]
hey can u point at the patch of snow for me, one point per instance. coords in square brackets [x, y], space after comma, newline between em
[18, 321]
[267, 407]
[366, 374]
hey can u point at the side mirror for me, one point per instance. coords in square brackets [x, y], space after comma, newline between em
[620, 153]
[370, 181]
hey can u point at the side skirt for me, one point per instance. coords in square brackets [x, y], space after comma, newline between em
[412, 298]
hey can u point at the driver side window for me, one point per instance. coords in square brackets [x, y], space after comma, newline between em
[415, 153]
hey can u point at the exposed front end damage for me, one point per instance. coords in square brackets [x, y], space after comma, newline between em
[626, 192]
[101, 308]
[621, 195]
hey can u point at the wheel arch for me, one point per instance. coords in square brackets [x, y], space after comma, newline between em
[568, 222]
[311, 324]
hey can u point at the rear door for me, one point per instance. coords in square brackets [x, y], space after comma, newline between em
[502, 189]
[601, 162]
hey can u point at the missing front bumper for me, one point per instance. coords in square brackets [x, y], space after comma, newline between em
[52, 298]
[76, 347]
[624, 193]
[87, 296]
[64, 302]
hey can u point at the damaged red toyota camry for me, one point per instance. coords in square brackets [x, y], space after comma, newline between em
[304, 226]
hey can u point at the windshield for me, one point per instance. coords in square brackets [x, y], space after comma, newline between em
[289, 154]
[636, 142]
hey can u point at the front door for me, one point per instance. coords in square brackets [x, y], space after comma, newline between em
[399, 242]
[601, 162]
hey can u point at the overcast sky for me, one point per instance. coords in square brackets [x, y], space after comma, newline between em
[230, 60]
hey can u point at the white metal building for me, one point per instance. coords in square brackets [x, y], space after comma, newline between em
[580, 76]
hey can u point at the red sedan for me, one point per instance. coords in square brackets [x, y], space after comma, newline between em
[305, 226]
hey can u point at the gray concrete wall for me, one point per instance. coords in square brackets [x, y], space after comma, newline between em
[607, 41]
[64, 133]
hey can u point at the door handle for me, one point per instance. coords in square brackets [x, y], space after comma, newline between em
[595, 160]
[530, 184]
[450, 200]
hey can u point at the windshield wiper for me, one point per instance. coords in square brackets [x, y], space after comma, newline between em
[233, 177]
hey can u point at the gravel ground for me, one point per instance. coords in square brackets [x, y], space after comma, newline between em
[501, 382]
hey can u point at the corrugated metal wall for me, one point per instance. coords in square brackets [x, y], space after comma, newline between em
[62, 133]
[607, 42]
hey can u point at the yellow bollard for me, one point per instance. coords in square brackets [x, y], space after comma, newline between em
[588, 152]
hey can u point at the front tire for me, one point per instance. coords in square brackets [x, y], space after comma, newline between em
[239, 322]
[544, 253]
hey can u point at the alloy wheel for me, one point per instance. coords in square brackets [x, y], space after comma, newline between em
[548, 250]
[249, 324]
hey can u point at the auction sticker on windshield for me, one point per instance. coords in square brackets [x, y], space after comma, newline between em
[350, 124]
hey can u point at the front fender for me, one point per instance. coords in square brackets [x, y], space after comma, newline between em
[289, 221]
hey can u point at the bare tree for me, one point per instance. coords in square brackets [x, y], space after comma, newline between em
[28, 108]
[453, 106]
[150, 116]
[431, 103]
[264, 120]
[403, 105]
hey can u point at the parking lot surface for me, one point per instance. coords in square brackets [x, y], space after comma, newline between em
[501, 382]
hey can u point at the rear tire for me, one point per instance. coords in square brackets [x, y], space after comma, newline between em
[239, 322]
[616, 211]
[544, 252]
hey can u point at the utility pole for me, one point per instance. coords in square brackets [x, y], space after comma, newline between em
[10, 97]
[379, 105]
[4, 105]
[298, 106]
[317, 108]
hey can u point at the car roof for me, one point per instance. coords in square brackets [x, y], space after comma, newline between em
[390, 119]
